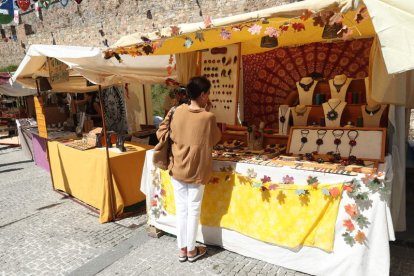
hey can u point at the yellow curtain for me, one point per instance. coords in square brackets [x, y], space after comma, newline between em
[139, 111]
[186, 66]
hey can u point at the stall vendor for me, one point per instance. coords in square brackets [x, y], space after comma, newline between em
[90, 104]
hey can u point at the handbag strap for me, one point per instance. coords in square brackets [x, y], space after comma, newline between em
[172, 110]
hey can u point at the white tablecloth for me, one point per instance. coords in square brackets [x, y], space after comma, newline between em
[371, 258]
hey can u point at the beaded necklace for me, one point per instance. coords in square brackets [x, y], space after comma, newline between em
[321, 134]
[306, 87]
[304, 139]
[337, 133]
[332, 115]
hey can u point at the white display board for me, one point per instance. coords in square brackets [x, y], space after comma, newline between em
[221, 66]
[369, 142]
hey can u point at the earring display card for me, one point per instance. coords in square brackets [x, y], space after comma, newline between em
[363, 143]
[221, 67]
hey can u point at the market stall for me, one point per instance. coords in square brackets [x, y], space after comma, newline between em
[13, 104]
[307, 226]
[89, 182]
[87, 167]
[318, 85]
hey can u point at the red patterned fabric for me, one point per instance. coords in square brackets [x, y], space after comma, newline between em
[270, 77]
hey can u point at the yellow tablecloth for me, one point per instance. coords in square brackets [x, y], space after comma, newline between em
[85, 176]
[280, 216]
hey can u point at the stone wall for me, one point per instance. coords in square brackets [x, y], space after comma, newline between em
[81, 24]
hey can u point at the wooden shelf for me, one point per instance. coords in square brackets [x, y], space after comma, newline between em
[240, 133]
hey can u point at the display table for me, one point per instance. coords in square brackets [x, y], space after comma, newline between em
[39, 145]
[25, 139]
[84, 175]
[40, 152]
[323, 224]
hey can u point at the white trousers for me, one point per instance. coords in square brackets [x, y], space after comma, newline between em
[188, 199]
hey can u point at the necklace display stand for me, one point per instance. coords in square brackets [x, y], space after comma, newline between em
[338, 86]
[371, 115]
[284, 114]
[300, 114]
[333, 109]
[306, 87]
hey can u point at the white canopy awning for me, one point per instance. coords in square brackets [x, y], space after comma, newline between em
[13, 90]
[89, 63]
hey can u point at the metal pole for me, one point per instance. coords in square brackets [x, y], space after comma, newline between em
[111, 185]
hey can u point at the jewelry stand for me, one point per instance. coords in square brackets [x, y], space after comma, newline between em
[306, 87]
[333, 109]
[300, 114]
[338, 86]
[284, 114]
[371, 115]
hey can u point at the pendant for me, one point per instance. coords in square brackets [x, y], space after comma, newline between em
[332, 115]
[282, 119]
[371, 114]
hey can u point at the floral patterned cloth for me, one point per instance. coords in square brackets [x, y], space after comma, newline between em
[270, 77]
[287, 215]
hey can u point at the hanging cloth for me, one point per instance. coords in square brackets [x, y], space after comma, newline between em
[395, 89]
[186, 66]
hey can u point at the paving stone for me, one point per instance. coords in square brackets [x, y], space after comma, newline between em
[66, 237]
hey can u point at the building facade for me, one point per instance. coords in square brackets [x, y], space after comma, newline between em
[99, 23]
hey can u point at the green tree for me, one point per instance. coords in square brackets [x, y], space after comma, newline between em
[10, 68]
[158, 93]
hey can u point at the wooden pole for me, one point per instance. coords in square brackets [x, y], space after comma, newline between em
[46, 139]
[111, 185]
[145, 105]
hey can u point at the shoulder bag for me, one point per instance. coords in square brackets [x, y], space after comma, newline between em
[162, 151]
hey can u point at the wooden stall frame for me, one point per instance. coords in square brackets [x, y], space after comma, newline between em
[47, 144]
[237, 82]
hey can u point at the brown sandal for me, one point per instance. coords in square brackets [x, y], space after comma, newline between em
[198, 255]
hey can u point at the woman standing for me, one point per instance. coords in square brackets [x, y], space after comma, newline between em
[194, 132]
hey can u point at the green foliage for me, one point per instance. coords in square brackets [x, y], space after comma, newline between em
[362, 221]
[158, 93]
[348, 239]
[10, 68]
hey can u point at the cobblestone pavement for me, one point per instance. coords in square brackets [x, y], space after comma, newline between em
[44, 233]
[159, 257]
[41, 231]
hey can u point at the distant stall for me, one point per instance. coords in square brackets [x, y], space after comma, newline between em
[106, 178]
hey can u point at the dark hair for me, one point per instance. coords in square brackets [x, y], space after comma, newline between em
[180, 90]
[196, 86]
